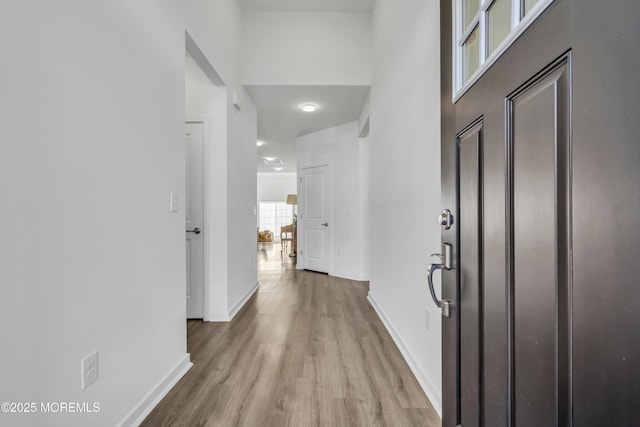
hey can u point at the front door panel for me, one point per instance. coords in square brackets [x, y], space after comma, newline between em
[544, 326]
[470, 273]
[509, 171]
[538, 116]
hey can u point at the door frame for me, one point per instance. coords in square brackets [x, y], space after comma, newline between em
[300, 265]
[208, 211]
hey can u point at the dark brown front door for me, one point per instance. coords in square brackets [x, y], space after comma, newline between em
[541, 170]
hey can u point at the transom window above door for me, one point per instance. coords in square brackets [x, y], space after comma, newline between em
[483, 30]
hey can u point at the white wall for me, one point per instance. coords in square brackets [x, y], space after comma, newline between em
[405, 179]
[92, 134]
[209, 103]
[301, 48]
[92, 130]
[215, 26]
[274, 187]
[346, 153]
[241, 200]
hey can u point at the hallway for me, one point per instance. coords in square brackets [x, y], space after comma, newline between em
[306, 350]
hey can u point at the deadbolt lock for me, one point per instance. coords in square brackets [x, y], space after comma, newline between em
[445, 219]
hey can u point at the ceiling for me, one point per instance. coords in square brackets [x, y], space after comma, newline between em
[309, 5]
[280, 119]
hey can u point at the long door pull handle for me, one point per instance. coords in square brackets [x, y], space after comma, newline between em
[444, 304]
[430, 270]
[195, 230]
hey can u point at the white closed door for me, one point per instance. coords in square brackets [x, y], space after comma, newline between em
[316, 217]
[194, 215]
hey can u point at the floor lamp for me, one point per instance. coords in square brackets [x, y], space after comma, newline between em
[292, 199]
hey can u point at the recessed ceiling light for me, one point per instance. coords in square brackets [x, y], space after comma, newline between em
[260, 143]
[277, 169]
[273, 162]
[309, 108]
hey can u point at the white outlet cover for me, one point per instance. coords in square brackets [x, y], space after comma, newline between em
[89, 370]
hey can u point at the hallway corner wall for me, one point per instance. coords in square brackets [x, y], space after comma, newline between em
[405, 180]
[216, 27]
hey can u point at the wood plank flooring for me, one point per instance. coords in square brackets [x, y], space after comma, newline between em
[307, 350]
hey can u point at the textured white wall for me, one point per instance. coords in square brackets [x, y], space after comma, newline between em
[341, 148]
[300, 48]
[405, 178]
[92, 114]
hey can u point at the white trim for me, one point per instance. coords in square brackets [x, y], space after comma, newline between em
[483, 40]
[238, 306]
[149, 402]
[357, 277]
[465, 35]
[227, 316]
[516, 14]
[486, 4]
[430, 389]
[516, 32]
[209, 238]
[217, 316]
[456, 53]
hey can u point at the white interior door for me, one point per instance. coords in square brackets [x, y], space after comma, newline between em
[194, 215]
[316, 217]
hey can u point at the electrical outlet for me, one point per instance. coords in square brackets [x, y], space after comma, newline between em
[427, 319]
[89, 366]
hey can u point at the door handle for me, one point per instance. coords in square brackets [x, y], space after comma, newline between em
[326, 224]
[195, 230]
[443, 305]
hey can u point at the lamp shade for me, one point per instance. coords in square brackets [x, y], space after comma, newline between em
[292, 199]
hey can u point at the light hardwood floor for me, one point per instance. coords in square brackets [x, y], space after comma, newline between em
[307, 350]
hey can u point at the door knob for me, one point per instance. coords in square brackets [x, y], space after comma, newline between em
[195, 230]
[326, 224]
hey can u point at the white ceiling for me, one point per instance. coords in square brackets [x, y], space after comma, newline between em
[280, 119]
[309, 5]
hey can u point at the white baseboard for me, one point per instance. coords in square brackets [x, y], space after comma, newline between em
[349, 276]
[238, 306]
[146, 405]
[430, 389]
[218, 316]
[227, 316]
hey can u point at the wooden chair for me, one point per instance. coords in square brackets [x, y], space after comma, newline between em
[286, 236]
